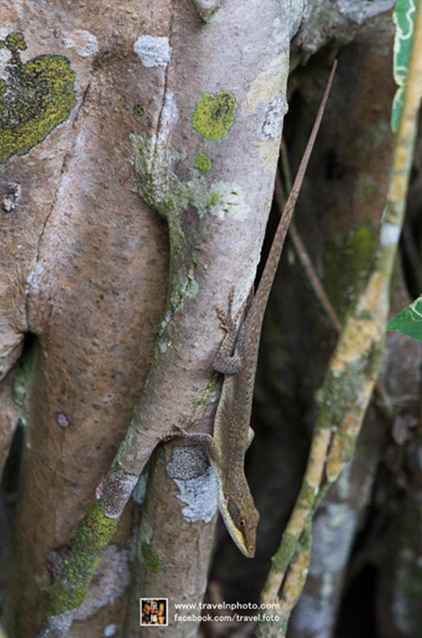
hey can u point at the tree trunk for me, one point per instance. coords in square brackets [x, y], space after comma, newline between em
[139, 147]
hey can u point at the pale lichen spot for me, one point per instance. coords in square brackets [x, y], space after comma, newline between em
[169, 116]
[32, 281]
[269, 152]
[110, 630]
[359, 335]
[62, 420]
[390, 234]
[200, 496]
[278, 33]
[360, 12]
[153, 50]
[84, 42]
[227, 198]
[5, 56]
[268, 84]
[273, 118]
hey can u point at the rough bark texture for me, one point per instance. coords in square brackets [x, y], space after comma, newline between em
[91, 258]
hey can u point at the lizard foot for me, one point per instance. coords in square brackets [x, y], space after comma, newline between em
[228, 323]
[177, 431]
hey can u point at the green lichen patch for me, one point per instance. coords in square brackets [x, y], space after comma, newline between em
[89, 541]
[214, 115]
[37, 97]
[203, 163]
[286, 550]
[369, 189]
[15, 42]
[348, 266]
[160, 187]
[339, 395]
[151, 558]
[138, 110]
[209, 394]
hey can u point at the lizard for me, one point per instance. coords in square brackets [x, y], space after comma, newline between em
[237, 359]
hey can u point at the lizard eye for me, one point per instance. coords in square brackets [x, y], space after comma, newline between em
[235, 514]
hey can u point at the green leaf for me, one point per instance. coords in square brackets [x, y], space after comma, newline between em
[409, 321]
[403, 17]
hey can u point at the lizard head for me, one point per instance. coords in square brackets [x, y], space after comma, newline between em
[241, 518]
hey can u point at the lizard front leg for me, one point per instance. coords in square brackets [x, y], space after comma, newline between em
[226, 361]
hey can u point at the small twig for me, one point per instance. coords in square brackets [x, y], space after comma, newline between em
[303, 254]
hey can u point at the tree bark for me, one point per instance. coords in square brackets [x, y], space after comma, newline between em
[129, 211]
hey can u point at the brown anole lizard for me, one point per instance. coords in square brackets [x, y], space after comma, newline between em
[237, 360]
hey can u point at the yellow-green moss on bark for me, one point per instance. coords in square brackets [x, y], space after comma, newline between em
[203, 163]
[151, 558]
[37, 97]
[348, 267]
[90, 539]
[214, 115]
[282, 558]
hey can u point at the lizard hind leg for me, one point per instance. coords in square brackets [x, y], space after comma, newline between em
[228, 323]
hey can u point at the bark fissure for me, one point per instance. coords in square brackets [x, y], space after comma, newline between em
[165, 94]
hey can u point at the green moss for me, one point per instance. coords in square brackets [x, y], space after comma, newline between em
[203, 163]
[96, 406]
[15, 42]
[305, 540]
[208, 396]
[37, 97]
[150, 556]
[116, 465]
[307, 493]
[339, 395]
[138, 110]
[282, 558]
[161, 189]
[176, 233]
[347, 267]
[376, 357]
[89, 541]
[214, 115]
[369, 189]
[214, 199]
[190, 287]
[348, 451]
